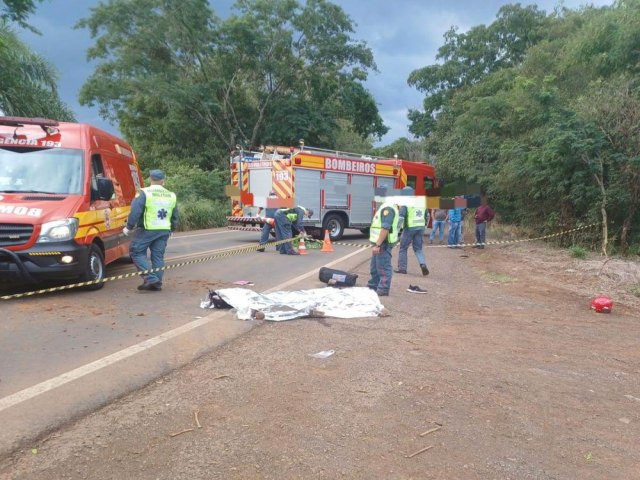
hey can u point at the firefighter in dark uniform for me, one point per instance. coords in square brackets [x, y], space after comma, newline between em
[383, 234]
[286, 218]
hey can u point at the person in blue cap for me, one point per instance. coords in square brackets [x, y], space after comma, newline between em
[383, 235]
[155, 212]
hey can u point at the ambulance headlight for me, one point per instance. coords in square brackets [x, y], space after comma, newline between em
[58, 230]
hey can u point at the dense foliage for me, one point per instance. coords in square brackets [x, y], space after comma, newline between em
[28, 82]
[544, 112]
[182, 83]
[541, 109]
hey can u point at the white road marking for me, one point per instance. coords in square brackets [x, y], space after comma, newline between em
[67, 377]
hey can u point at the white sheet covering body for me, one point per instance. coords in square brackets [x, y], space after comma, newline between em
[353, 302]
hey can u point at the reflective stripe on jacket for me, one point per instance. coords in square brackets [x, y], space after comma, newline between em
[376, 224]
[415, 217]
[158, 207]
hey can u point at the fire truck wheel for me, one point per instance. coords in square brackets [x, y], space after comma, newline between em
[335, 224]
[94, 269]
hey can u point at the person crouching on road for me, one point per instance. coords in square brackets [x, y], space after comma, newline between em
[286, 219]
[267, 226]
[383, 233]
[155, 212]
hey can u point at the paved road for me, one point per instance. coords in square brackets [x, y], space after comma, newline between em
[66, 353]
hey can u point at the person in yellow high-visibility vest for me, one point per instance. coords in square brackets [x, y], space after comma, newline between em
[383, 234]
[286, 219]
[155, 212]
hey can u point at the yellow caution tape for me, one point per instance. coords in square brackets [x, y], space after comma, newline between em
[225, 253]
[497, 242]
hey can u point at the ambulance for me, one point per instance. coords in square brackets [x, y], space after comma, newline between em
[341, 188]
[65, 194]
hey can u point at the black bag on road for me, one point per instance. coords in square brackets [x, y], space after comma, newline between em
[337, 278]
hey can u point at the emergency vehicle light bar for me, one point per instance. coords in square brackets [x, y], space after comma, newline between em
[49, 126]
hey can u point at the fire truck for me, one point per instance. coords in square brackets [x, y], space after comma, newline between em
[341, 188]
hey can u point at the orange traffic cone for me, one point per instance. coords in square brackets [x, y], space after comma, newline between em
[326, 245]
[302, 248]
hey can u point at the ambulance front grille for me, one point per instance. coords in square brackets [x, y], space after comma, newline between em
[43, 197]
[12, 234]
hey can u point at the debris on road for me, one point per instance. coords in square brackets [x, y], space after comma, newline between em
[181, 432]
[419, 451]
[322, 354]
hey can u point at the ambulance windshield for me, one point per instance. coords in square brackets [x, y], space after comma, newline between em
[59, 171]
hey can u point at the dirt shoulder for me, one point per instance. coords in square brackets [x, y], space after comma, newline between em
[501, 369]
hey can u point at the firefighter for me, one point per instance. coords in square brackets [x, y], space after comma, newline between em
[286, 219]
[383, 234]
[268, 224]
[155, 212]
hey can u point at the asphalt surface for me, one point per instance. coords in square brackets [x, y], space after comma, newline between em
[65, 354]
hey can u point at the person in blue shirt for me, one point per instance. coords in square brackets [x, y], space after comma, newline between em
[455, 227]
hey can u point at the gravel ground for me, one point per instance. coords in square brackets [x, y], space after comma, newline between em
[501, 371]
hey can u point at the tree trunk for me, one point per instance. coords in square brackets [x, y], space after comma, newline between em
[599, 177]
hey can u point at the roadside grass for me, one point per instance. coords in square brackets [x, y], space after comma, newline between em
[635, 290]
[576, 251]
[495, 277]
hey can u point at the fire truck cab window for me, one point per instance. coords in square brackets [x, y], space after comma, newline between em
[412, 181]
[428, 184]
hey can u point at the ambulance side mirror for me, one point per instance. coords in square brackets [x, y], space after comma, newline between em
[104, 189]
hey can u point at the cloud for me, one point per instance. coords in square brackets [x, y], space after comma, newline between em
[404, 35]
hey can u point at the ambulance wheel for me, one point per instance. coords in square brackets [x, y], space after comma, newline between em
[94, 269]
[335, 224]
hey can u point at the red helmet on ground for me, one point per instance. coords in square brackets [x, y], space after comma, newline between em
[602, 304]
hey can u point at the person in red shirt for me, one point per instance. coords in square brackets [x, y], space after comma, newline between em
[484, 214]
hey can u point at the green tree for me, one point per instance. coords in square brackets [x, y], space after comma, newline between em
[18, 11]
[553, 134]
[466, 58]
[28, 83]
[174, 75]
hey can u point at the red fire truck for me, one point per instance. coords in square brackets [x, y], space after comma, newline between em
[339, 187]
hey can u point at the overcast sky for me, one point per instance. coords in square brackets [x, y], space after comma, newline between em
[403, 34]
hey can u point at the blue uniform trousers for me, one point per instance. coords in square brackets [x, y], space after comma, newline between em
[415, 237]
[156, 242]
[381, 270]
[264, 235]
[283, 232]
